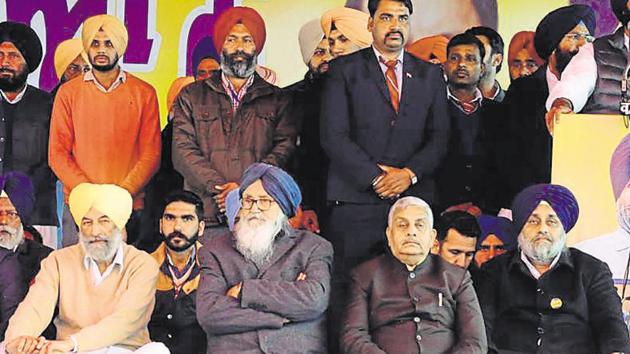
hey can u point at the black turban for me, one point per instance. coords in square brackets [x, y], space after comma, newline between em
[25, 40]
[620, 8]
[558, 23]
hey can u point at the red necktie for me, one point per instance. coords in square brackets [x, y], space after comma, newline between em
[392, 81]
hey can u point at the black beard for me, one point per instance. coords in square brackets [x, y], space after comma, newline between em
[241, 70]
[190, 241]
[106, 68]
[563, 59]
[15, 83]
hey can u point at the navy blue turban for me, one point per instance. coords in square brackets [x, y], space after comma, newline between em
[561, 199]
[500, 227]
[558, 23]
[280, 186]
[19, 189]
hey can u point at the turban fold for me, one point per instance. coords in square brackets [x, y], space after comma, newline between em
[65, 54]
[232, 207]
[243, 15]
[309, 37]
[428, 48]
[109, 199]
[25, 40]
[352, 23]
[620, 166]
[176, 87]
[524, 40]
[498, 226]
[19, 190]
[558, 23]
[561, 200]
[113, 28]
[280, 186]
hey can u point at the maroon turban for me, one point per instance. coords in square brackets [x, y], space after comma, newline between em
[243, 15]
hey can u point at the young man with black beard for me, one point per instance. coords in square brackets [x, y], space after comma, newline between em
[174, 321]
[559, 36]
[25, 122]
[105, 126]
[232, 119]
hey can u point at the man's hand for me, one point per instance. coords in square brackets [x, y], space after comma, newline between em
[235, 291]
[25, 345]
[392, 182]
[560, 105]
[309, 221]
[225, 189]
[57, 347]
[301, 277]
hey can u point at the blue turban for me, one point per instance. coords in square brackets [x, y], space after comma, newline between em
[280, 186]
[620, 166]
[232, 206]
[19, 189]
[500, 227]
[561, 199]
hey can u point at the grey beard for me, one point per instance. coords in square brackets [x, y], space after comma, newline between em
[256, 243]
[102, 253]
[241, 70]
[543, 254]
[623, 217]
[15, 239]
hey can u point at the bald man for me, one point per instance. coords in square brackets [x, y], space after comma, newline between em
[105, 126]
[104, 288]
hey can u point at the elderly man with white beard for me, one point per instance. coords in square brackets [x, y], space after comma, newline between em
[545, 297]
[103, 288]
[265, 286]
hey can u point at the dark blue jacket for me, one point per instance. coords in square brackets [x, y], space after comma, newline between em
[12, 287]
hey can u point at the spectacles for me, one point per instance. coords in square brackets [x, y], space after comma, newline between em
[577, 36]
[262, 204]
[9, 214]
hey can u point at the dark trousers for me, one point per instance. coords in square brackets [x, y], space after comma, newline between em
[357, 232]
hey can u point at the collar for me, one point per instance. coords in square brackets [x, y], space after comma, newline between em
[497, 90]
[160, 253]
[379, 55]
[118, 258]
[193, 256]
[225, 81]
[17, 98]
[621, 240]
[121, 78]
[478, 96]
[519, 258]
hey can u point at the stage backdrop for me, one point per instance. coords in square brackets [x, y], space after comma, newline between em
[167, 37]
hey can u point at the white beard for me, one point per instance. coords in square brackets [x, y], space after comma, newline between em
[542, 252]
[11, 237]
[254, 240]
[102, 252]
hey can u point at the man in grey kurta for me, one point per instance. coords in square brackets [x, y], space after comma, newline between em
[265, 286]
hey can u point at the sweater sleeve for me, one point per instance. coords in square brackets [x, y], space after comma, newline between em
[131, 315]
[36, 310]
[60, 142]
[149, 144]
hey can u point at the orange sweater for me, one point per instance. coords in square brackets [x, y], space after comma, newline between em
[102, 137]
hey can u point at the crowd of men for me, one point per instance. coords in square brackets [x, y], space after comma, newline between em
[395, 200]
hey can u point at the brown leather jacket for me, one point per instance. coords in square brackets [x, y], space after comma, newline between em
[212, 146]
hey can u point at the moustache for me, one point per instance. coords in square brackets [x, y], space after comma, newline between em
[7, 70]
[175, 234]
[394, 32]
[8, 229]
[240, 53]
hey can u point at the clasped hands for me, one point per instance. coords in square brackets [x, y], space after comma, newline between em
[38, 345]
[392, 181]
[235, 291]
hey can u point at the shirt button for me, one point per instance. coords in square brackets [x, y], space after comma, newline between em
[540, 330]
[2, 140]
[415, 299]
[469, 166]
[418, 337]
[416, 319]
[467, 188]
[170, 336]
[539, 341]
[169, 316]
[411, 275]
[392, 123]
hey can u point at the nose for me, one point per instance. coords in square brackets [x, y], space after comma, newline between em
[460, 260]
[178, 224]
[4, 219]
[524, 71]
[491, 253]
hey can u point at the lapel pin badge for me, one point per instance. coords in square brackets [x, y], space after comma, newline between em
[409, 75]
[555, 303]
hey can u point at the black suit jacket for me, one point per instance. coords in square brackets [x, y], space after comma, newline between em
[361, 129]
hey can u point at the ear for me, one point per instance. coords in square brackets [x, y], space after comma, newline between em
[497, 59]
[370, 24]
[202, 227]
[483, 68]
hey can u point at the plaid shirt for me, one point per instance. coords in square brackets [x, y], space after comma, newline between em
[236, 96]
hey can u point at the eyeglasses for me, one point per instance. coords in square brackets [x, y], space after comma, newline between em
[11, 215]
[262, 204]
[577, 36]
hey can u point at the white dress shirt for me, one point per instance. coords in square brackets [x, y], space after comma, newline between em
[398, 70]
[92, 267]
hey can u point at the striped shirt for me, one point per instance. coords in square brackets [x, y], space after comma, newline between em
[236, 96]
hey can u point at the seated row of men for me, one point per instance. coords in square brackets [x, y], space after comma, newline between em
[264, 286]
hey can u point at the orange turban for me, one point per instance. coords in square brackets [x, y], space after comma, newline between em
[523, 40]
[176, 87]
[65, 54]
[352, 23]
[424, 48]
[235, 15]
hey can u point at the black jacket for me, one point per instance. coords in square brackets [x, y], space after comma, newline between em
[360, 129]
[572, 308]
[27, 124]
[30, 254]
[12, 287]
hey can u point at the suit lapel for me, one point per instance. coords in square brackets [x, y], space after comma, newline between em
[375, 72]
[407, 76]
[283, 244]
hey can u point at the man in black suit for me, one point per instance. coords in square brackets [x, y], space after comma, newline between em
[384, 130]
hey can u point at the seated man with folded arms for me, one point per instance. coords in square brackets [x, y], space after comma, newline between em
[408, 300]
[265, 286]
[104, 288]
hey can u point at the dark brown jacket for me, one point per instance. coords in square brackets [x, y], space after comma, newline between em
[432, 309]
[212, 146]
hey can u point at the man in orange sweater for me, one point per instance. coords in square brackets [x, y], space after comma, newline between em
[104, 288]
[105, 127]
